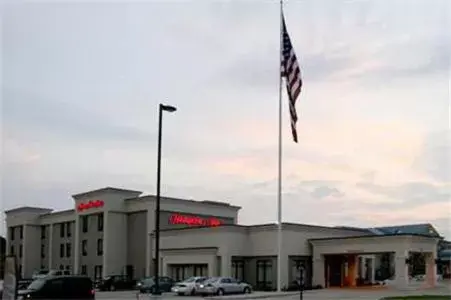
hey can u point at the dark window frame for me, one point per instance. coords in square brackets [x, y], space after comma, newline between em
[99, 247]
[42, 251]
[68, 229]
[84, 247]
[84, 270]
[238, 269]
[100, 218]
[98, 270]
[62, 248]
[62, 229]
[12, 251]
[43, 232]
[20, 250]
[84, 223]
[12, 232]
[68, 249]
[266, 265]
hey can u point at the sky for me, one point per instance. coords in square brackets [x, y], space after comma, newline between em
[81, 84]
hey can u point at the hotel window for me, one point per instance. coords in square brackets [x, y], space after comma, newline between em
[238, 269]
[21, 232]
[61, 250]
[20, 251]
[11, 250]
[100, 222]
[42, 232]
[62, 229]
[11, 233]
[42, 251]
[69, 229]
[264, 274]
[84, 270]
[84, 247]
[68, 250]
[84, 223]
[98, 271]
[99, 247]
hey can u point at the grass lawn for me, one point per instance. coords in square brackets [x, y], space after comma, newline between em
[424, 297]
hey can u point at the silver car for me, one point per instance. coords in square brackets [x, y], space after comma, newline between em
[222, 286]
[188, 286]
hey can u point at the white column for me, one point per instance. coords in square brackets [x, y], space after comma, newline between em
[431, 269]
[373, 269]
[150, 224]
[105, 244]
[24, 252]
[164, 266]
[148, 253]
[77, 245]
[401, 269]
[362, 261]
[50, 247]
[318, 271]
[212, 267]
[226, 265]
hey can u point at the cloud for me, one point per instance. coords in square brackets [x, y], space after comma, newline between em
[59, 118]
[324, 191]
[435, 157]
[412, 193]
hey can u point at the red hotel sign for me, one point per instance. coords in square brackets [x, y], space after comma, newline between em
[193, 220]
[90, 204]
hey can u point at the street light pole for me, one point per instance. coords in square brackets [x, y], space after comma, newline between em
[168, 108]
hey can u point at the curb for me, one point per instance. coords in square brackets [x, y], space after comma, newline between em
[264, 296]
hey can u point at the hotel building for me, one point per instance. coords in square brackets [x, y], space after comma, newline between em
[110, 231]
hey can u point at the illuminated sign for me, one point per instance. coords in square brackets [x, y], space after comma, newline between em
[193, 220]
[90, 204]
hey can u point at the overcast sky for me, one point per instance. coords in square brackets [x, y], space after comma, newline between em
[82, 82]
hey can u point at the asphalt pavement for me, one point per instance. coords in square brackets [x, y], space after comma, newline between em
[325, 294]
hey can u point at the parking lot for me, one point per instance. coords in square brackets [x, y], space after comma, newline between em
[326, 294]
[134, 295]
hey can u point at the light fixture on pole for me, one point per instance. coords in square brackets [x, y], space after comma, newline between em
[167, 108]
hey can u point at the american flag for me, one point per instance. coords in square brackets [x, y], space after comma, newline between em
[292, 73]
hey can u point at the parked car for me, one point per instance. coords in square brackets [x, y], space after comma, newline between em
[45, 273]
[147, 285]
[222, 286]
[188, 286]
[60, 287]
[116, 282]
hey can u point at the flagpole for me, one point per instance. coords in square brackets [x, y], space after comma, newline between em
[279, 176]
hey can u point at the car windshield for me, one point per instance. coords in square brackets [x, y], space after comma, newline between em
[191, 279]
[200, 280]
[147, 280]
[42, 272]
[36, 285]
[211, 280]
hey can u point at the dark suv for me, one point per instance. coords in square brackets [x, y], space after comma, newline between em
[60, 287]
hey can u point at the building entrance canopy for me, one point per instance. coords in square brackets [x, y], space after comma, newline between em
[352, 247]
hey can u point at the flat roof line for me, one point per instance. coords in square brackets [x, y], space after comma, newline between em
[105, 189]
[216, 203]
[267, 225]
[37, 209]
[371, 236]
